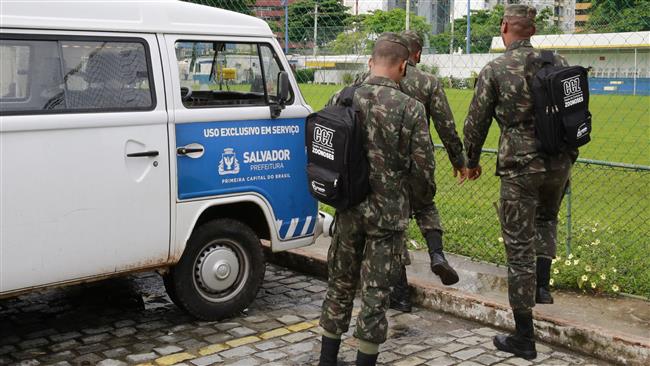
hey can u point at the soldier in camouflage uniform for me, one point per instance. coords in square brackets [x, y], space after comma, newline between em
[368, 238]
[532, 183]
[427, 89]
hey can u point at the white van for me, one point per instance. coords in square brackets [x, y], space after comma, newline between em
[148, 135]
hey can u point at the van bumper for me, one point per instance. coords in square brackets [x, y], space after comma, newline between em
[324, 225]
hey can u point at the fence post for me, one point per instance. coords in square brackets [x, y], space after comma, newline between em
[568, 218]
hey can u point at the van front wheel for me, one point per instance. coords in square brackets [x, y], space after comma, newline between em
[220, 271]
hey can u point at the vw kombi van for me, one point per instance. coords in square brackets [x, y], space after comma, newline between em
[148, 135]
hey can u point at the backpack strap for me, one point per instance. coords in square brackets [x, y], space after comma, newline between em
[347, 95]
[548, 57]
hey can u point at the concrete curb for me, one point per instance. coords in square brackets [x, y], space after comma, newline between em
[611, 346]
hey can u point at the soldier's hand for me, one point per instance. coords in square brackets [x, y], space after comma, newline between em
[461, 173]
[474, 173]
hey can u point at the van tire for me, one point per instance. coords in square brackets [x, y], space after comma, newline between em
[219, 272]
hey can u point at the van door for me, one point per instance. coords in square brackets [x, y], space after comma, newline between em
[225, 106]
[84, 157]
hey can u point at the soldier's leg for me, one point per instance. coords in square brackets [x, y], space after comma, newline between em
[381, 263]
[343, 262]
[428, 220]
[517, 215]
[551, 193]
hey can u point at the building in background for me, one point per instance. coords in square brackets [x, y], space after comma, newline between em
[583, 8]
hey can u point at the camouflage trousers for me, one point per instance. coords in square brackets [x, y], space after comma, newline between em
[529, 206]
[424, 208]
[361, 252]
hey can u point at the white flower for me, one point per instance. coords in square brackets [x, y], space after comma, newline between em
[556, 271]
[615, 288]
[587, 268]
[603, 277]
[614, 270]
[570, 256]
[500, 239]
[584, 278]
[551, 282]
[593, 230]
[593, 285]
[567, 262]
[576, 261]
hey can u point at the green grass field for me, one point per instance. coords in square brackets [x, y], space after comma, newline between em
[610, 211]
[621, 124]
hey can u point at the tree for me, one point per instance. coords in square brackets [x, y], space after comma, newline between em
[332, 20]
[619, 16]
[486, 24]
[240, 6]
[363, 29]
[394, 21]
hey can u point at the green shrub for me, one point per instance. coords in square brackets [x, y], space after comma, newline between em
[305, 75]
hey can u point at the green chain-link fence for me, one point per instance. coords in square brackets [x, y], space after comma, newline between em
[604, 230]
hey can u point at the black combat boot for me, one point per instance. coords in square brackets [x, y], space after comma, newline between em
[439, 264]
[543, 293]
[329, 351]
[400, 297]
[364, 359]
[522, 343]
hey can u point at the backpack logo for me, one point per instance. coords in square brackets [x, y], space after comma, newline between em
[318, 187]
[228, 163]
[572, 91]
[323, 142]
[583, 129]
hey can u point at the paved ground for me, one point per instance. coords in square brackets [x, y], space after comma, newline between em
[131, 321]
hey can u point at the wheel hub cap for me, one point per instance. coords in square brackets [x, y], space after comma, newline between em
[219, 269]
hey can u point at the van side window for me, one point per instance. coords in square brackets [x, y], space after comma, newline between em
[64, 75]
[226, 74]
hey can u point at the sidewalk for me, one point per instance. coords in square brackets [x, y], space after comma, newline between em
[613, 329]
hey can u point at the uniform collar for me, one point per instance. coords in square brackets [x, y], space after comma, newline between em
[519, 43]
[380, 80]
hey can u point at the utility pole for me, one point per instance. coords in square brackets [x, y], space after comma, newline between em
[286, 27]
[408, 14]
[315, 29]
[469, 30]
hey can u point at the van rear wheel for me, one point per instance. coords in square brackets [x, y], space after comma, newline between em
[220, 271]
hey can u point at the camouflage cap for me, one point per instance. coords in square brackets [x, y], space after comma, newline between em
[412, 37]
[394, 38]
[518, 10]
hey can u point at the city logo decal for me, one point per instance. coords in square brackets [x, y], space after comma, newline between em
[228, 163]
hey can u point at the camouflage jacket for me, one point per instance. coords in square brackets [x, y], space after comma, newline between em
[502, 93]
[427, 89]
[399, 150]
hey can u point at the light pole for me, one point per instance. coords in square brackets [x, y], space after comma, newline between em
[469, 32]
[408, 14]
[315, 28]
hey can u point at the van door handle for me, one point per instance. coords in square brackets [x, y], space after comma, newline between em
[142, 154]
[188, 150]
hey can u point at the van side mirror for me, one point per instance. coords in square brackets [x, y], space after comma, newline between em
[283, 87]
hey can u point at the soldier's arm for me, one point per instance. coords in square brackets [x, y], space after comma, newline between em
[443, 122]
[479, 118]
[422, 158]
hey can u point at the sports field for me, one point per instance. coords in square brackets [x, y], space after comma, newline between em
[621, 124]
[610, 211]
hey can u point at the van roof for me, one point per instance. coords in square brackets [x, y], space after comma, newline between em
[143, 16]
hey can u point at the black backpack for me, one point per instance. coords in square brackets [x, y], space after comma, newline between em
[337, 163]
[561, 100]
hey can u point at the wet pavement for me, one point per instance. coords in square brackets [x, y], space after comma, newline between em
[131, 320]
